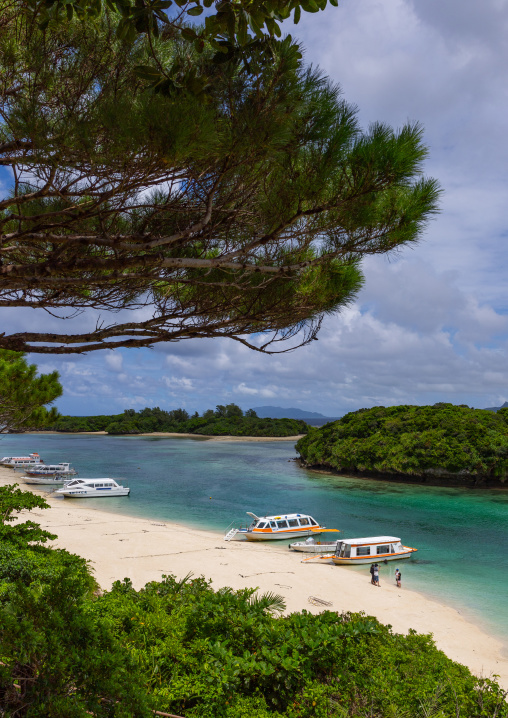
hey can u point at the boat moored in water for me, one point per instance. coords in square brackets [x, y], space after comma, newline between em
[268, 528]
[51, 470]
[22, 461]
[90, 488]
[370, 549]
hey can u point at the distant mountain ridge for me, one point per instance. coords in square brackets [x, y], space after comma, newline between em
[278, 412]
[314, 418]
[496, 408]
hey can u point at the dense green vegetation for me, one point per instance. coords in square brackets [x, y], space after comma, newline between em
[441, 442]
[24, 396]
[182, 648]
[227, 420]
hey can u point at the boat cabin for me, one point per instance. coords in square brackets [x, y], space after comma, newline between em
[91, 484]
[288, 522]
[375, 547]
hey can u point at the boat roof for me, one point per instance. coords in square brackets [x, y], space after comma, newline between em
[86, 481]
[372, 539]
[282, 516]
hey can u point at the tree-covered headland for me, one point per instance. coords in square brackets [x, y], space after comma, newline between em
[228, 420]
[443, 443]
[179, 647]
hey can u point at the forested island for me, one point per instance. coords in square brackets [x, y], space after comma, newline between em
[441, 444]
[228, 420]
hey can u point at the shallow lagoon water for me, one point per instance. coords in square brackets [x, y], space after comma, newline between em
[461, 534]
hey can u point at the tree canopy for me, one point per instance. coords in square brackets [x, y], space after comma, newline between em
[241, 208]
[24, 395]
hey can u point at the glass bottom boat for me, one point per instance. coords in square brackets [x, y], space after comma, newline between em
[370, 549]
[268, 528]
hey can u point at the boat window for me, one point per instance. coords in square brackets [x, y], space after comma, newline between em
[293, 522]
[99, 486]
[363, 551]
[383, 549]
[261, 525]
[273, 524]
[312, 522]
[304, 522]
[282, 524]
[339, 548]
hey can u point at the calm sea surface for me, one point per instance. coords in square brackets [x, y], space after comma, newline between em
[462, 535]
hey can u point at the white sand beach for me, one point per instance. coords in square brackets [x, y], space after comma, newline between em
[121, 546]
[168, 434]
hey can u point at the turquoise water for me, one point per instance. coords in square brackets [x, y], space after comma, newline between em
[461, 535]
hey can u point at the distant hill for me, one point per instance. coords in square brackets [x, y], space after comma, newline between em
[278, 412]
[496, 408]
[314, 418]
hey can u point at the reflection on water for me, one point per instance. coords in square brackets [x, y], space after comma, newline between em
[461, 534]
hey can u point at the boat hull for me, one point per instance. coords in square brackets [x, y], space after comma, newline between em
[92, 493]
[44, 481]
[275, 535]
[343, 561]
[318, 547]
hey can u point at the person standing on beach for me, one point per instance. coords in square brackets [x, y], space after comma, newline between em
[375, 575]
[398, 578]
[372, 573]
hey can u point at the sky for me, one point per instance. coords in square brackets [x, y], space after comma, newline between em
[431, 323]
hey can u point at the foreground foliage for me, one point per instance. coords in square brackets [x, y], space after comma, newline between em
[227, 420]
[24, 395]
[441, 442]
[181, 647]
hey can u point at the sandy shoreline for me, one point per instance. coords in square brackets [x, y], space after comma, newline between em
[167, 434]
[120, 546]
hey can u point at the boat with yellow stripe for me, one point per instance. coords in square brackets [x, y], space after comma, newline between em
[268, 528]
[370, 549]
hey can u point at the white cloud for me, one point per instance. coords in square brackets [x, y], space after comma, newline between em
[252, 391]
[178, 383]
[114, 360]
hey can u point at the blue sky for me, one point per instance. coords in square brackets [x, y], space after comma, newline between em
[431, 323]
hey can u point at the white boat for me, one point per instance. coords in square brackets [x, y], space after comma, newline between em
[268, 528]
[311, 546]
[60, 470]
[22, 461]
[90, 488]
[48, 480]
[370, 549]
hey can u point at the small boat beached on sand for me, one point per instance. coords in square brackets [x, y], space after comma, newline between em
[47, 480]
[311, 546]
[268, 528]
[370, 549]
[90, 488]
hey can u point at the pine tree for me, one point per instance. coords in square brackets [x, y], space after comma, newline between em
[240, 209]
[24, 395]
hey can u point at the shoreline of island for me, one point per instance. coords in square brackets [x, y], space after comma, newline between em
[172, 435]
[142, 549]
